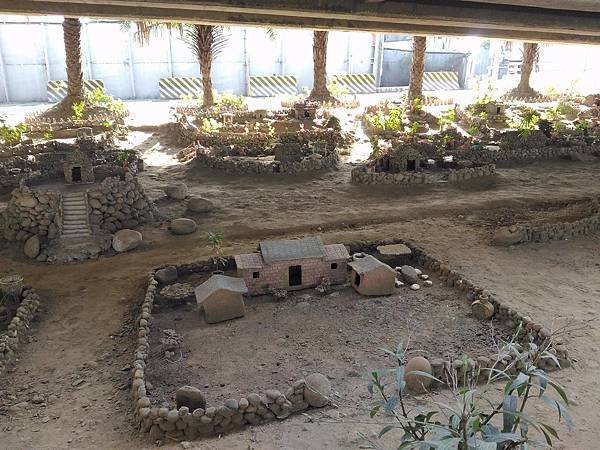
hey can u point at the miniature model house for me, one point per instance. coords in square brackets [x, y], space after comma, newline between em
[401, 159]
[78, 168]
[305, 111]
[292, 265]
[221, 298]
[372, 277]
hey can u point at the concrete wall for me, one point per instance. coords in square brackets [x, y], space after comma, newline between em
[33, 53]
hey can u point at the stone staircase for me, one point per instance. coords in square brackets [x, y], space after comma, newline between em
[75, 215]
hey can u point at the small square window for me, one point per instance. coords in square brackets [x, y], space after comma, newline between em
[255, 274]
[333, 266]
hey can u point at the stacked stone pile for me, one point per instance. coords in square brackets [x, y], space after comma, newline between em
[361, 175]
[18, 327]
[117, 204]
[32, 212]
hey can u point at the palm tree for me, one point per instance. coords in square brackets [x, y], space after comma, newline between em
[415, 88]
[75, 93]
[531, 54]
[320, 92]
[205, 41]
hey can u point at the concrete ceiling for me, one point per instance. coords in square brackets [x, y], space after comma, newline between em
[576, 21]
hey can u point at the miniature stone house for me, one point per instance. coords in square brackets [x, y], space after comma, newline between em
[370, 276]
[305, 111]
[288, 153]
[292, 265]
[260, 114]
[222, 298]
[401, 159]
[78, 168]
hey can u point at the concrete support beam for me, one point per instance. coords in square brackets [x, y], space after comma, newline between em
[506, 19]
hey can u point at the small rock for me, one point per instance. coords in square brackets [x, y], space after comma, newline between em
[183, 226]
[200, 205]
[504, 236]
[125, 240]
[414, 382]
[410, 274]
[428, 283]
[424, 277]
[415, 287]
[37, 399]
[317, 390]
[177, 191]
[399, 283]
[166, 275]
[191, 397]
[32, 247]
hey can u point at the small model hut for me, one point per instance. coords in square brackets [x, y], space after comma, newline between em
[78, 168]
[221, 297]
[372, 277]
[305, 110]
[400, 159]
[292, 265]
[288, 153]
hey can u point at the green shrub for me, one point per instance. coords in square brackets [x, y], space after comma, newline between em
[11, 135]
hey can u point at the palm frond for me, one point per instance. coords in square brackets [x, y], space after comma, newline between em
[146, 29]
[199, 38]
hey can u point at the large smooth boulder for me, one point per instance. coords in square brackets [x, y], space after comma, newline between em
[177, 191]
[183, 226]
[191, 397]
[416, 383]
[125, 240]
[166, 275]
[317, 390]
[32, 247]
[409, 274]
[200, 205]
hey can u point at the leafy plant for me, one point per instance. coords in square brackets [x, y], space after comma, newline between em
[210, 125]
[417, 104]
[392, 121]
[48, 135]
[99, 98]
[337, 90]
[474, 418]
[227, 100]
[215, 239]
[582, 127]
[78, 109]
[413, 128]
[474, 131]
[11, 135]
[447, 119]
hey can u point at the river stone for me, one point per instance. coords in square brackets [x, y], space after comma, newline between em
[32, 247]
[410, 274]
[199, 205]
[176, 191]
[483, 310]
[94, 203]
[27, 201]
[125, 240]
[504, 236]
[317, 390]
[183, 226]
[166, 275]
[191, 397]
[417, 384]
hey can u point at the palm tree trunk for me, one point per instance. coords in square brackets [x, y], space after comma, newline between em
[72, 38]
[320, 91]
[205, 39]
[530, 53]
[415, 88]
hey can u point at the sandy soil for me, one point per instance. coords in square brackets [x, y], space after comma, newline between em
[278, 342]
[81, 347]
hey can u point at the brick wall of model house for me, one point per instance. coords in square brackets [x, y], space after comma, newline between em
[277, 274]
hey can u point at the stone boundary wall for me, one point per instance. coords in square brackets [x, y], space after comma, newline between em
[524, 325]
[119, 203]
[254, 409]
[521, 234]
[17, 329]
[32, 212]
[361, 175]
[249, 166]
[35, 122]
[178, 424]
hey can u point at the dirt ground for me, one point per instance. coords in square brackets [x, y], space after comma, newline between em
[79, 355]
[335, 334]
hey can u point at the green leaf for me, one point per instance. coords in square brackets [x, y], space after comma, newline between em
[560, 391]
[400, 379]
[424, 374]
[391, 403]
[563, 412]
[509, 407]
[519, 381]
[374, 411]
[386, 429]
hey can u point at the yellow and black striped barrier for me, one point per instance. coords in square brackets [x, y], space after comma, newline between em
[272, 85]
[179, 87]
[356, 83]
[440, 81]
[57, 89]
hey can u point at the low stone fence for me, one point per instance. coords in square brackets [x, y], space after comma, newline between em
[181, 423]
[235, 165]
[32, 212]
[362, 175]
[119, 203]
[521, 234]
[18, 327]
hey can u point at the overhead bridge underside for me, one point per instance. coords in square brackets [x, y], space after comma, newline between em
[575, 21]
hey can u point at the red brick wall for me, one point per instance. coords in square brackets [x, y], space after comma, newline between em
[276, 276]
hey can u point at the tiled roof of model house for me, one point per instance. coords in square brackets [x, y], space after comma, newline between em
[291, 250]
[217, 283]
[367, 264]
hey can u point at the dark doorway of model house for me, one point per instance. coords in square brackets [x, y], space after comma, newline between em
[411, 165]
[76, 174]
[295, 275]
